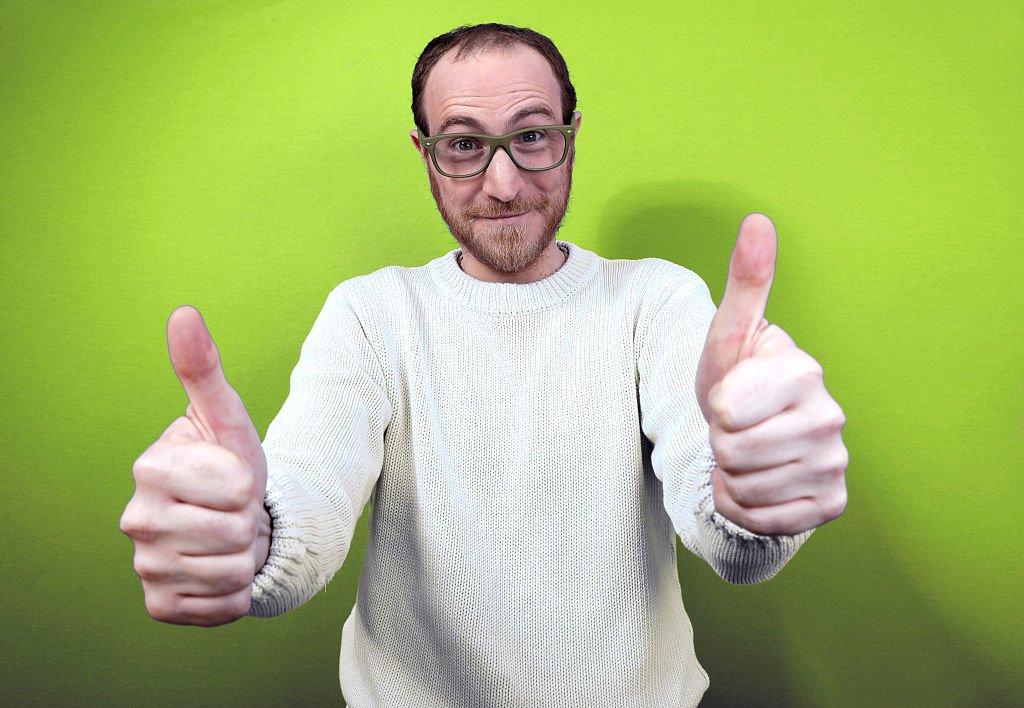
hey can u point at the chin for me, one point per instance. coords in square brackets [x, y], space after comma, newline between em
[507, 249]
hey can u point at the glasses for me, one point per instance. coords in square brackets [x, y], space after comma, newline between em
[468, 154]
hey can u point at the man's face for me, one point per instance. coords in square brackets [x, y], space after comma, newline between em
[505, 217]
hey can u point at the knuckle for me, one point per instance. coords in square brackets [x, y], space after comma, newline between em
[138, 525]
[238, 530]
[829, 423]
[240, 489]
[737, 488]
[148, 569]
[724, 451]
[148, 469]
[808, 370]
[834, 418]
[249, 527]
[834, 505]
[240, 578]
[239, 603]
[234, 575]
[755, 521]
[842, 460]
[722, 408]
[840, 417]
[127, 523]
[160, 607]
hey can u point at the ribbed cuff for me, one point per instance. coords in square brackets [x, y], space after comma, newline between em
[740, 556]
[289, 564]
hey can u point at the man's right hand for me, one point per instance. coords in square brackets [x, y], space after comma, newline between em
[197, 518]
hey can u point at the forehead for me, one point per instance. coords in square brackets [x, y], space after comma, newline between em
[491, 86]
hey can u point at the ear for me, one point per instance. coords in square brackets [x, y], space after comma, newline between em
[577, 117]
[419, 148]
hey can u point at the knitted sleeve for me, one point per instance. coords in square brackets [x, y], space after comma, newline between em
[324, 454]
[670, 338]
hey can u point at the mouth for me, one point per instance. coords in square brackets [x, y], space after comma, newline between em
[505, 218]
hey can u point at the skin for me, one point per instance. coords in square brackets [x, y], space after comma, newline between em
[504, 219]
[197, 518]
[775, 430]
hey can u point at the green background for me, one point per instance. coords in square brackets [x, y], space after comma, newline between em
[245, 157]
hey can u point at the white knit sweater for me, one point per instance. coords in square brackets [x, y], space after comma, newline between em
[529, 453]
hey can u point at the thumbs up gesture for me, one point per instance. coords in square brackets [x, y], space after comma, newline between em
[197, 518]
[775, 430]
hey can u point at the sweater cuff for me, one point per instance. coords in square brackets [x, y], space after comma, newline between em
[291, 564]
[740, 556]
[744, 557]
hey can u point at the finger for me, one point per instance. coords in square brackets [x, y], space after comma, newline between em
[774, 486]
[195, 531]
[786, 519]
[199, 473]
[188, 530]
[212, 401]
[751, 271]
[761, 387]
[741, 313]
[203, 576]
[803, 432]
[203, 611]
[181, 429]
[777, 441]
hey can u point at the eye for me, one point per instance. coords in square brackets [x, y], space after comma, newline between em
[463, 145]
[532, 136]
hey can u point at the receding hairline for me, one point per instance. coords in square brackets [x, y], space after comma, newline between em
[456, 55]
[472, 40]
[479, 45]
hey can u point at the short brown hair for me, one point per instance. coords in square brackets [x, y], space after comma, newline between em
[474, 38]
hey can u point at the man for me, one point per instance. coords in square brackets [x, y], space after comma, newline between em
[532, 424]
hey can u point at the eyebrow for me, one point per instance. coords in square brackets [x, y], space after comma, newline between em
[478, 127]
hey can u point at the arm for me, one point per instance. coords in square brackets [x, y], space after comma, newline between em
[324, 454]
[670, 339]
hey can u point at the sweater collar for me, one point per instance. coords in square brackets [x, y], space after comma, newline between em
[513, 298]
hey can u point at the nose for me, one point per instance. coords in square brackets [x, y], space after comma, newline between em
[502, 179]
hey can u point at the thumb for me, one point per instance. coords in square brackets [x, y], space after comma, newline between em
[214, 406]
[741, 312]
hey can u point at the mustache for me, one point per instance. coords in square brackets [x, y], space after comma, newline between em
[516, 206]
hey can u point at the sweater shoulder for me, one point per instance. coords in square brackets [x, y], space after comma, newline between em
[382, 292]
[652, 281]
[389, 279]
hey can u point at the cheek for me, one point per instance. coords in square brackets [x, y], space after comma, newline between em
[455, 194]
[555, 179]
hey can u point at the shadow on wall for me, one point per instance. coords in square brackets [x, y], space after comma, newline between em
[845, 624]
[694, 224]
[842, 625]
[690, 223]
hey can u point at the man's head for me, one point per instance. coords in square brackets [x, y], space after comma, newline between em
[494, 79]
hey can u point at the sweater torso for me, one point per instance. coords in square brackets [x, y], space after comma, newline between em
[519, 551]
[530, 453]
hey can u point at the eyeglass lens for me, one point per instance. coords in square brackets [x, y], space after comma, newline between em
[534, 149]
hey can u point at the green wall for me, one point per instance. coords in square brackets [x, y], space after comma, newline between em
[245, 157]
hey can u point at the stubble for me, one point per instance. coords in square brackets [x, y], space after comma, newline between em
[505, 249]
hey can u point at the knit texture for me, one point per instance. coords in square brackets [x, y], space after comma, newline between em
[529, 453]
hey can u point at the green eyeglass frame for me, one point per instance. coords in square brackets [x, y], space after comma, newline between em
[497, 141]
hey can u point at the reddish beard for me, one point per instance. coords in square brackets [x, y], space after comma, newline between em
[506, 248]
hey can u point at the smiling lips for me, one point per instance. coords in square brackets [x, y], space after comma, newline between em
[504, 217]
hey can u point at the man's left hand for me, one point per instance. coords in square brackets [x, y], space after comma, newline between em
[775, 430]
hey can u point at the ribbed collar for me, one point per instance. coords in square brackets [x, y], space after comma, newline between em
[513, 298]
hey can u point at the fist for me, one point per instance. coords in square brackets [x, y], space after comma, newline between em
[775, 430]
[197, 519]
